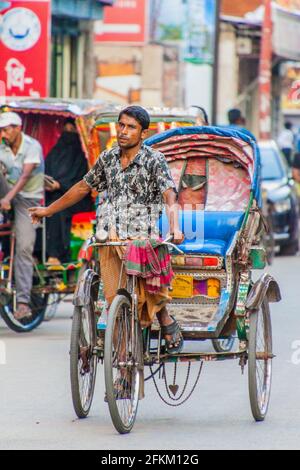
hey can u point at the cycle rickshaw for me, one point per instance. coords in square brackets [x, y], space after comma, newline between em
[43, 119]
[217, 173]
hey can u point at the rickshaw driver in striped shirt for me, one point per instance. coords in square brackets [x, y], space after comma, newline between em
[133, 175]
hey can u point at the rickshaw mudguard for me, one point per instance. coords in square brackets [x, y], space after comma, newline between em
[86, 289]
[265, 287]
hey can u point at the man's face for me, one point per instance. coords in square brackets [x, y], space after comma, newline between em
[9, 134]
[129, 132]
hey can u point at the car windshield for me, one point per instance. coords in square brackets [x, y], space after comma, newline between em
[272, 166]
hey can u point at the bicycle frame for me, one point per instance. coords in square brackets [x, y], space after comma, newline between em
[157, 357]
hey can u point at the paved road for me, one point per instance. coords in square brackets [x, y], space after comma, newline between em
[36, 409]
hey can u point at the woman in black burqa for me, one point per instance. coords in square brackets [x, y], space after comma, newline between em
[65, 165]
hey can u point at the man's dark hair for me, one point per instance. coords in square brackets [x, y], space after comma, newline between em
[288, 125]
[234, 115]
[139, 114]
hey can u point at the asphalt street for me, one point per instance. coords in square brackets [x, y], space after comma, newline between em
[36, 406]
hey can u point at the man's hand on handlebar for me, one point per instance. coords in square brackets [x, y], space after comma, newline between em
[5, 204]
[37, 214]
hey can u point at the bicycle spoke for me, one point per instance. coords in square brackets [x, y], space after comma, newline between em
[83, 377]
[121, 366]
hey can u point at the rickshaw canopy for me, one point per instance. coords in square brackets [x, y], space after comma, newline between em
[220, 143]
[68, 107]
[217, 174]
[43, 119]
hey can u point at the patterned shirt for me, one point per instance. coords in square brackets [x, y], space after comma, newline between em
[134, 195]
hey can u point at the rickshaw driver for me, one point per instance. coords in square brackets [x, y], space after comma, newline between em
[135, 174]
[21, 187]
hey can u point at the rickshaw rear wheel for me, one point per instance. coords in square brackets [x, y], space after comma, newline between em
[38, 305]
[83, 360]
[123, 364]
[260, 361]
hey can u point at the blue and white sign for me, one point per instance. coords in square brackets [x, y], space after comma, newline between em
[193, 22]
[21, 29]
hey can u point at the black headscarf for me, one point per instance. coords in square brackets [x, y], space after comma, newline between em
[67, 164]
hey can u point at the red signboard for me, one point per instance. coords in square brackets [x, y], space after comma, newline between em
[124, 22]
[24, 48]
[265, 75]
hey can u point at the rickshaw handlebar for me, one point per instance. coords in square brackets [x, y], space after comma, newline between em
[167, 242]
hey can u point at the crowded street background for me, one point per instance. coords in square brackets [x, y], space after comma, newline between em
[125, 125]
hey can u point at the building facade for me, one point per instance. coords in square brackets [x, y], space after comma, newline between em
[239, 59]
[72, 46]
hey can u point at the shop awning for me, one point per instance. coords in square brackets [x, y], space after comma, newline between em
[286, 27]
[78, 9]
[286, 35]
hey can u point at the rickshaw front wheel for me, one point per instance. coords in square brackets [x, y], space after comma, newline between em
[260, 356]
[83, 360]
[123, 364]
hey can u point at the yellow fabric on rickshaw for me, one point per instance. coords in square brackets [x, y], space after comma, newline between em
[148, 304]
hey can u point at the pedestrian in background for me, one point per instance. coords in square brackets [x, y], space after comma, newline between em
[286, 142]
[236, 118]
[65, 166]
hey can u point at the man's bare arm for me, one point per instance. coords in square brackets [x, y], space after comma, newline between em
[26, 174]
[78, 192]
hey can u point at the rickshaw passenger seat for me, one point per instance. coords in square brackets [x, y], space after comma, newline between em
[206, 232]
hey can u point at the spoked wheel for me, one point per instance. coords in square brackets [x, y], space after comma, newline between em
[83, 360]
[260, 361]
[52, 306]
[224, 345]
[123, 362]
[38, 306]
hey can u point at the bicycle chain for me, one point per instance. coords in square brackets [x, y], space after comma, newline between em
[174, 381]
[189, 395]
